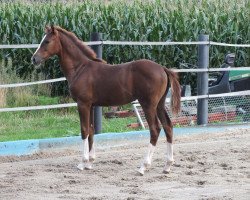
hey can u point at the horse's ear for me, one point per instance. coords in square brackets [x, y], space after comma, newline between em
[52, 29]
[47, 29]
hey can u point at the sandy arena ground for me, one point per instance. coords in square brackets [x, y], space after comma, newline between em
[211, 166]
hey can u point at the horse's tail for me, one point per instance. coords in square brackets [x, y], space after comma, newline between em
[175, 91]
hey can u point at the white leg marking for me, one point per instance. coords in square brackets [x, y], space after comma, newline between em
[89, 163]
[169, 157]
[85, 149]
[147, 160]
[85, 164]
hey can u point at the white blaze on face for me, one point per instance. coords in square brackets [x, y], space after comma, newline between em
[40, 44]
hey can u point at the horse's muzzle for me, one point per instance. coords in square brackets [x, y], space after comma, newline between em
[36, 60]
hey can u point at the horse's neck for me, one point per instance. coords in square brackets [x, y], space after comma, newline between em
[71, 59]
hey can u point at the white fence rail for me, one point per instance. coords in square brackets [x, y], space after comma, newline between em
[66, 105]
[12, 85]
[34, 46]
[131, 43]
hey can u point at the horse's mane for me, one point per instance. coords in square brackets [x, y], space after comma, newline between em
[81, 45]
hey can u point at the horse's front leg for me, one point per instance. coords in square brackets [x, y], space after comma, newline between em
[91, 137]
[84, 113]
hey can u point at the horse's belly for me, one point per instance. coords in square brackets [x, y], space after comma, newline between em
[113, 98]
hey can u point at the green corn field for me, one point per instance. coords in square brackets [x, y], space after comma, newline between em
[23, 22]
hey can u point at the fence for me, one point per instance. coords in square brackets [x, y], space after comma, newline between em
[204, 103]
[222, 108]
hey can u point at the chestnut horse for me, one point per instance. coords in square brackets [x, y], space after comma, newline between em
[92, 82]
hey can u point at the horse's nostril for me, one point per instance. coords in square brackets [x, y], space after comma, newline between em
[33, 60]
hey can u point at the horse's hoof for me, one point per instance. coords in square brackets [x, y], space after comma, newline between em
[80, 166]
[141, 171]
[166, 171]
[88, 166]
[167, 167]
[91, 159]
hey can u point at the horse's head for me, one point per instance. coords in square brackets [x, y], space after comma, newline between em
[49, 46]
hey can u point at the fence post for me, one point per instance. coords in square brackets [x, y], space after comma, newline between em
[202, 82]
[97, 109]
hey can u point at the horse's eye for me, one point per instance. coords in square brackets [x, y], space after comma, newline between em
[46, 42]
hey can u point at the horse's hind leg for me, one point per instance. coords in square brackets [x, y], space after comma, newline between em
[154, 127]
[168, 129]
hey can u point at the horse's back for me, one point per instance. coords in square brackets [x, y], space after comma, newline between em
[142, 77]
[120, 84]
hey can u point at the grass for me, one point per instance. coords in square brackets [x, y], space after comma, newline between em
[50, 124]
